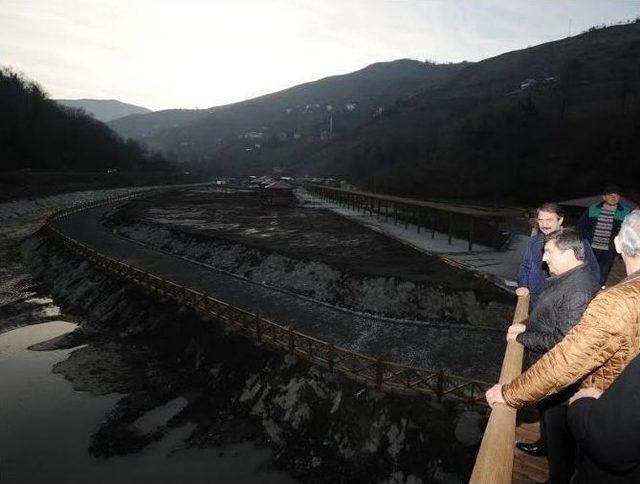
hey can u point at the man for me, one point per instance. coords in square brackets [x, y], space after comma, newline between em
[532, 276]
[560, 306]
[600, 224]
[607, 430]
[599, 347]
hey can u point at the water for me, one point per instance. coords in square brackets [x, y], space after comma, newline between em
[45, 427]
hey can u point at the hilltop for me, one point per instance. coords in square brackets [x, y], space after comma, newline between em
[38, 134]
[104, 110]
[550, 121]
[242, 134]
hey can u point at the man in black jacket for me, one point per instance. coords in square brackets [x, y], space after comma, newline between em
[607, 430]
[559, 308]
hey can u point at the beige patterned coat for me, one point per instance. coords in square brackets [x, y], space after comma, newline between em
[596, 350]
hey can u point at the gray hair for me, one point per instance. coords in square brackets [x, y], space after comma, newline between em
[629, 235]
[567, 238]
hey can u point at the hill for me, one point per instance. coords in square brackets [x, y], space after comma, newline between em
[260, 132]
[104, 109]
[548, 122]
[38, 134]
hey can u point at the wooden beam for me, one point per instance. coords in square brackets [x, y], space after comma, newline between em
[494, 463]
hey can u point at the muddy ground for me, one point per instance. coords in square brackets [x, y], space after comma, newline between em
[322, 427]
[314, 253]
[302, 233]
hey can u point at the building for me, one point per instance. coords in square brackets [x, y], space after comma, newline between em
[277, 193]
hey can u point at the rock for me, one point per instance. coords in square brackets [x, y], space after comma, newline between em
[467, 430]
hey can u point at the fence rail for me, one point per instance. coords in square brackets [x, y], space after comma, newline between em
[367, 369]
[489, 227]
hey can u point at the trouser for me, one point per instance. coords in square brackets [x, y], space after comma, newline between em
[605, 260]
[559, 442]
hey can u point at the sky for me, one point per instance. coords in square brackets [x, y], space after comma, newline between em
[164, 54]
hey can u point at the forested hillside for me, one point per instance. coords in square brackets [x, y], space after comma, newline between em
[104, 110]
[267, 131]
[548, 122]
[38, 134]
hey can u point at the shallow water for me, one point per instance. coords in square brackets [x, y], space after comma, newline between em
[45, 428]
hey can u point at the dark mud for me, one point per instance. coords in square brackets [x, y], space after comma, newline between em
[321, 426]
[314, 253]
[303, 233]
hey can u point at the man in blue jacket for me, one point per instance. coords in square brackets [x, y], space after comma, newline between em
[533, 273]
[533, 276]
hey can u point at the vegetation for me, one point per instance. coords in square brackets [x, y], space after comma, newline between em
[267, 131]
[484, 134]
[37, 134]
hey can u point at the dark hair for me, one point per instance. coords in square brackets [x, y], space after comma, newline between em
[567, 238]
[550, 207]
[611, 189]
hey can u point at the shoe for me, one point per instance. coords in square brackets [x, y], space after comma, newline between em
[533, 448]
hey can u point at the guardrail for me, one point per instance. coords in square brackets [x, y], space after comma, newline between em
[491, 228]
[494, 463]
[367, 369]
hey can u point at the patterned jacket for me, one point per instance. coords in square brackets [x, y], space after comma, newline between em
[589, 219]
[596, 350]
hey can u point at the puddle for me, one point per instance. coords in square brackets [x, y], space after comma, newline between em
[45, 429]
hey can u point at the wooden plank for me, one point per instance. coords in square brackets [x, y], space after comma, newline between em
[495, 460]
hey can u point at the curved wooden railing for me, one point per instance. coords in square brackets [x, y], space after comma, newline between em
[494, 463]
[364, 368]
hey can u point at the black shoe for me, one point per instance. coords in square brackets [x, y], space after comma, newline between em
[533, 448]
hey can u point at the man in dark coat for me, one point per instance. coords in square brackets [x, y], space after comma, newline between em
[600, 224]
[560, 306]
[607, 430]
[532, 274]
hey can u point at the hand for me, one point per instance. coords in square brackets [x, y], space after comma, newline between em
[494, 395]
[522, 291]
[514, 330]
[586, 393]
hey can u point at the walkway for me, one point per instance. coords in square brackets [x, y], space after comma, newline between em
[470, 352]
[528, 469]
[501, 267]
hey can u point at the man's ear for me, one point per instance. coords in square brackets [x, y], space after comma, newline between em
[561, 220]
[617, 244]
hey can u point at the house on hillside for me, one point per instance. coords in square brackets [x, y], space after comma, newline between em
[258, 183]
[528, 84]
[278, 193]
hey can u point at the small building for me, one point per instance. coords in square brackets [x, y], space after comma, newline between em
[277, 193]
[259, 183]
[528, 84]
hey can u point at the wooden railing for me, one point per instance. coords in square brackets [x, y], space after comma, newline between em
[494, 463]
[483, 225]
[367, 369]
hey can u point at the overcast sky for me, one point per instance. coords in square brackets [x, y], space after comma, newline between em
[200, 53]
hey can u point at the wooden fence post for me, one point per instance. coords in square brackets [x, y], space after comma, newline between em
[292, 341]
[258, 329]
[379, 372]
[330, 356]
[440, 385]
